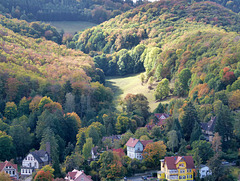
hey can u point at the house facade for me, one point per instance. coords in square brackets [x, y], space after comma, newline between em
[177, 168]
[204, 171]
[77, 175]
[208, 129]
[135, 148]
[10, 169]
[34, 160]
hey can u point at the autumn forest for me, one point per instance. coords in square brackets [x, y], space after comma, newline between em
[53, 85]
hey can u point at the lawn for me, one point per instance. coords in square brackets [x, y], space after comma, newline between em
[71, 26]
[122, 86]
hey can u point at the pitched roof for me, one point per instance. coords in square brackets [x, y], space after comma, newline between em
[39, 153]
[76, 173]
[146, 142]
[132, 142]
[161, 117]
[7, 163]
[171, 162]
[209, 126]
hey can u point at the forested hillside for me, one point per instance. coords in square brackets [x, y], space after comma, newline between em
[49, 93]
[59, 10]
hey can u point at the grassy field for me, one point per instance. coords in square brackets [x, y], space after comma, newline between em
[71, 26]
[122, 86]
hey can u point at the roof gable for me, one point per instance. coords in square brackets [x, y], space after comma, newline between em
[7, 164]
[171, 162]
[132, 142]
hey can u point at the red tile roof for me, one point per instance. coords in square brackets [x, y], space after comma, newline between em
[7, 163]
[172, 161]
[72, 174]
[146, 142]
[132, 142]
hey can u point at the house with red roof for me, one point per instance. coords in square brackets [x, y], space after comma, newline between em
[161, 121]
[10, 169]
[177, 168]
[77, 175]
[135, 148]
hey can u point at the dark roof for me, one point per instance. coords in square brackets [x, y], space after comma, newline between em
[94, 150]
[209, 126]
[7, 163]
[39, 153]
[172, 161]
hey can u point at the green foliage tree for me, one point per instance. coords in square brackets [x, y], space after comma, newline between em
[184, 77]
[49, 136]
[10, 110]
[140, 132]
[204, 149]
[172, 140]
[45, 100]
[6, 147]
[215, 165]
[156, 132]
[162, 90]
[92, 133]
[196, 133]
[74, 161]
[22, 138]
[87, 147]
[224, 125]
[158, 72]
[188, 119]
[136, 104]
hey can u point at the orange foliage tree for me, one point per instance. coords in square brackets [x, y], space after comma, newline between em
[43, 176]
[153, 152]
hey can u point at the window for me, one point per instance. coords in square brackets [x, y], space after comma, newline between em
[184, 177]
[182, 171]
[13, 172]
[189, 170]
[35, 164]
[180, 177]
[189, 176]
[22, 170]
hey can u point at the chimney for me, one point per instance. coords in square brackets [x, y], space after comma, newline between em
[48, 148]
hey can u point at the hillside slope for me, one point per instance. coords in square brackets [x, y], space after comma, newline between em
[165, 37]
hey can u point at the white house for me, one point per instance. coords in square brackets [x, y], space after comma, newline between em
[34, 160]
[10, 169]
[135, 148]
[204, 171]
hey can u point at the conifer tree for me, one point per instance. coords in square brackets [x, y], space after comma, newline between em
[188, 120]
[196, 133]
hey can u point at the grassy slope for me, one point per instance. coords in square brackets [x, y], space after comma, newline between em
[122, 86]
[71, 26]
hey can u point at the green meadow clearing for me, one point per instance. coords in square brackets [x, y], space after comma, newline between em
[71, 26]
[122, 86]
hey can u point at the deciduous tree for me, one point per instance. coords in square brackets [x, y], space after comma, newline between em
[153, 152]
[162, 89]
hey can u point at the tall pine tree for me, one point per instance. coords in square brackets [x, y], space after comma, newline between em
[188, 120]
